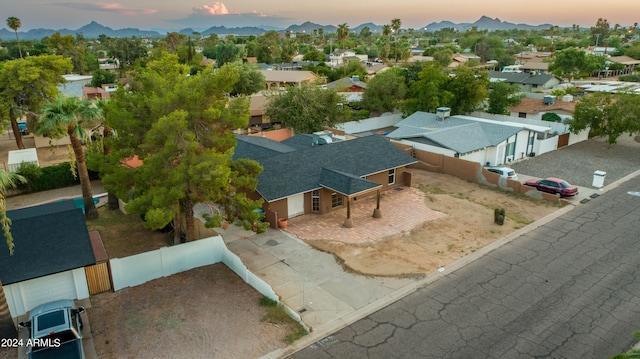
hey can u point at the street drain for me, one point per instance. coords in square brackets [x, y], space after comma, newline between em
[302, 310]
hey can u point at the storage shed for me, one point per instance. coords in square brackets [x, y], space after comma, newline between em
[16, 157]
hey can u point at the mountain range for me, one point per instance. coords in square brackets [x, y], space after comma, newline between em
[94, 29]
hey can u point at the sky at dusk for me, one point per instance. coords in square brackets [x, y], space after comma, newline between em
[200, 15]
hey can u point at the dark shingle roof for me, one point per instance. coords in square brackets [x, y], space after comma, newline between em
[49, 238]
[295, 172]
[258, 147]
[345, 183]
[524, 78]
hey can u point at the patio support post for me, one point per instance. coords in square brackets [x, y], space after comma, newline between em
[348, 222]
[376, 212]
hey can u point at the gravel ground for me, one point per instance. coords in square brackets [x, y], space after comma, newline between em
[576, 163]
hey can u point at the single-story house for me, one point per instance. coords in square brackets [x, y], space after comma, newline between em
[534, 108]
[348, 84]
[276, 79]
[52, 247]
[318, 173]
[528, 81]
[350, 88]
[479, 140]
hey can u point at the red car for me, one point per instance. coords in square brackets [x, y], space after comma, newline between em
[557, 186]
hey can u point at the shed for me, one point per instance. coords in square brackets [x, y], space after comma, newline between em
[52, 247]
[29, 155]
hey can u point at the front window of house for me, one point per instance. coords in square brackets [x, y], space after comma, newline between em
[315, 201]
[336, 200]
[392, 176]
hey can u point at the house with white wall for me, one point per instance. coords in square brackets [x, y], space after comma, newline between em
[474, 139]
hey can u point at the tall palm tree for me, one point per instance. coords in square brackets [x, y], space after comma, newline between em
[14, 24]
[7, 180]
[395, 26]
[343, 33]
[66, 116]
[386, 31]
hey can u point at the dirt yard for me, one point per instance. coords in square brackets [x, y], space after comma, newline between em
[207, 312]
[467, 227]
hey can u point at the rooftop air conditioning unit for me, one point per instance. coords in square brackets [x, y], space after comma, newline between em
[443, 112]
[322, 137]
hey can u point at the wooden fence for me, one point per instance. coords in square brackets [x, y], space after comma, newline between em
[98, 278]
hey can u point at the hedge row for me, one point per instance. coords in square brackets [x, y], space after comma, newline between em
[46, 178]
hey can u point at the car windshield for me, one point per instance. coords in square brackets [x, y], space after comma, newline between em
[511, 173]
[564, 184]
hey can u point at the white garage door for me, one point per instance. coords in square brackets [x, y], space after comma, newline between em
[46, 289]
[295, 205]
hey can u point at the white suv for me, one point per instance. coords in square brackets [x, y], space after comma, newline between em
[504, 172]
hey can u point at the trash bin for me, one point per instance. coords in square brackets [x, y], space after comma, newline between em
[598, 178]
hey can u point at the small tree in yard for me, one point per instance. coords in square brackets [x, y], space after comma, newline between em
[607, 114]
[307, 109]
[502, 96]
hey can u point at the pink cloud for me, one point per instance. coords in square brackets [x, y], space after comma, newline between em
[216, 8]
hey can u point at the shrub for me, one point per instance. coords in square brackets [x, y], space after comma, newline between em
[32, 173]
[50, 177]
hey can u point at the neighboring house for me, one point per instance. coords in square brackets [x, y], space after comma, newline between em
[102, 93]
[348, 84]
[528, 82]
[350, 88]
[534, 108]
[318, 173]
[74, 84]
[479, 140]
[52, 247]
[276, 79]
[535, 67]
[342, 56]
[629, 64]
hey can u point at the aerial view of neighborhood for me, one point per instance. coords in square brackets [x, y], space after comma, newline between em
[319, 181]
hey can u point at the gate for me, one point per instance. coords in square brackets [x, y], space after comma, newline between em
[98, 278]
[563, 140]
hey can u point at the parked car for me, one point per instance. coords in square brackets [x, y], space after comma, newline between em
[557, 186]
[504, 172]
[55, 330]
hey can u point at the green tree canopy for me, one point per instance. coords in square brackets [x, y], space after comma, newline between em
[306, 109]
[503, 95]
[429, 91]
[102, 77]
[181, 128]
[251, 80]
[384, 91]
[27, 84]
[572, 62]
[607, 114]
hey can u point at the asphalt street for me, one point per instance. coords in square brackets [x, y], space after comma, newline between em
[568, 289]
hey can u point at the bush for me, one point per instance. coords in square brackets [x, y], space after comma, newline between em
[32, 173]
[46, 178]
[630, 78]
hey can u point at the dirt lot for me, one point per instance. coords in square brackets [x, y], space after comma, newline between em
[467, 226]
[207, 312]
